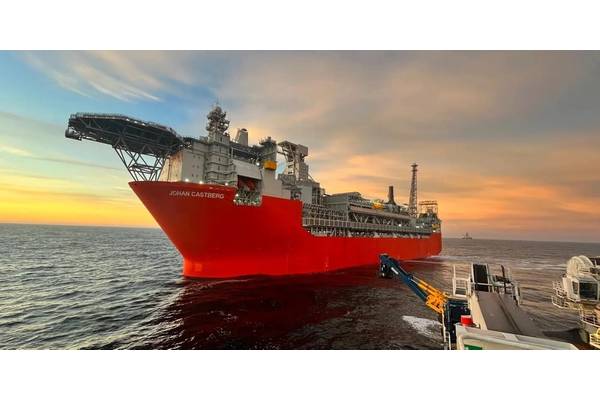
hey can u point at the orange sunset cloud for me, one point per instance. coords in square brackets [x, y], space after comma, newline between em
[505, 141]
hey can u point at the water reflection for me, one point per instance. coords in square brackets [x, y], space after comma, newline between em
[343, 309]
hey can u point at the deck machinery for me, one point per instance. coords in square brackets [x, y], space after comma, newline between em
[482, 312]
[153, 152]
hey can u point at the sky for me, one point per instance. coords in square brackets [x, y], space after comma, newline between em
[507, 142]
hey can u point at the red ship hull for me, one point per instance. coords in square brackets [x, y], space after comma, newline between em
[218, 238]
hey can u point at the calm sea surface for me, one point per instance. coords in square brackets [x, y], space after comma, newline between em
[108, 288]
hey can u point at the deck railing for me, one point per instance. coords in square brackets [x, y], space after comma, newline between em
[590, 318]
[558, 289]
[595, 339]
[363, 226]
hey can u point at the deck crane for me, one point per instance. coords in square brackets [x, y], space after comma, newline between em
[433, 298]
[449, 308]
[497, 321]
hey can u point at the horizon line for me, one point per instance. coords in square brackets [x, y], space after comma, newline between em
[159, 228]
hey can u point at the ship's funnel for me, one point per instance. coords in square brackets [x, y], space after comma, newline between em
[391, 195]
[242, 136]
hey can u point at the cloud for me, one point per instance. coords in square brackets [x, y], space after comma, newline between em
[15, 151]
[488, 130]
[505, 140]
[70, 161]
[126, 76]
[38, 140]
[409, 95]
[12, 119]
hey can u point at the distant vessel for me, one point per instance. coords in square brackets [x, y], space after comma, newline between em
[467, 236]
[221, 203]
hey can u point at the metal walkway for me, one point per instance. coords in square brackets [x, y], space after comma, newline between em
[501, 313]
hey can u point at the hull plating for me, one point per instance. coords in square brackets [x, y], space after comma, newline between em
[219, 239]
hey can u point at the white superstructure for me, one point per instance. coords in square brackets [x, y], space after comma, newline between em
[579, 289]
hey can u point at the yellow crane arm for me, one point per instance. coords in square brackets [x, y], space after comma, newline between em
[436, 299]
[433, 297]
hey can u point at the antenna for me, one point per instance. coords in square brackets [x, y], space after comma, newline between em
[412, 200]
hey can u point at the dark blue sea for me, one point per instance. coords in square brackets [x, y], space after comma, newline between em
[119, 288]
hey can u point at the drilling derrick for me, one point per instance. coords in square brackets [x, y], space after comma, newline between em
[412, 200]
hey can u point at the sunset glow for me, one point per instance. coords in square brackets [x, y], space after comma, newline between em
[507, 142]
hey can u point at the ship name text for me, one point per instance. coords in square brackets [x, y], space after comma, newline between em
[188, 193]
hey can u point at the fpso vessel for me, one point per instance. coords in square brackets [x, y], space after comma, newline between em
[229, 213]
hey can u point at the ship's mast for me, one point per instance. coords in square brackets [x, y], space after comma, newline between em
[412, 200]
[218, 166]
[217, 122]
